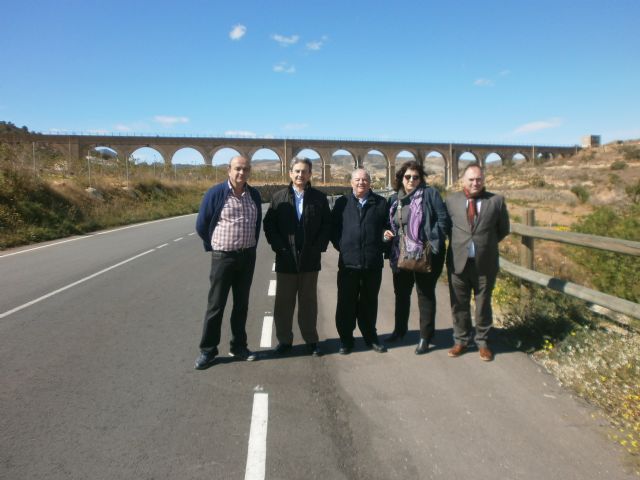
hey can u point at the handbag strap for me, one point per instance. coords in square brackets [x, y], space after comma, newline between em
[399, 215]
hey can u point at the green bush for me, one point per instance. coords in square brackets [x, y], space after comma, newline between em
[581, 192]
[612, 273]
[537, 181]
[633, 191]
[618, 165]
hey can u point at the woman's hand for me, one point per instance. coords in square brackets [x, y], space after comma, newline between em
[388, 235]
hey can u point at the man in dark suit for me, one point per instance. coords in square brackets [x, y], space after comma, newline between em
[479, 222]
[358, 222]
[297, 226]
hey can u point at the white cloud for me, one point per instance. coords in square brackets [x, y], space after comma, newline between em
[237, 32]
[240, 133]
[285, 41]
[483, 82]
[317, 44]
[168, 121]
[122, 128]
[539, 125]
[98, 131]
[295, 126]
[504, 73]
[284, 67]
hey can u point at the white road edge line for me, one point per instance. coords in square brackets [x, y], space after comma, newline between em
[267, 328]
[257, 452]
[178, 239]
[71, 285]
[192, 233]
[162, 246]
[91, 235]
[272, 288]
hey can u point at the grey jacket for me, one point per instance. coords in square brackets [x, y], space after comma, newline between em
[491, 227]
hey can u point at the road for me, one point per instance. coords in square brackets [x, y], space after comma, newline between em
[98, 335]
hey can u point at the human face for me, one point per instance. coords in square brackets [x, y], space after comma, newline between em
[411, 180]
[300, 175]
[239, 170]
[473, 180]
[360, 183]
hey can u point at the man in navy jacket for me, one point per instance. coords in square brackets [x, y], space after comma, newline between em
[359, 220]
[229, 224]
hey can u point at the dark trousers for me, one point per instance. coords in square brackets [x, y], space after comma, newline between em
[425, 283]
[305, 287]
[229, 271]
[357, 301]
[460, 288]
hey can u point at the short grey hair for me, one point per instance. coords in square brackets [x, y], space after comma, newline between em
[304, 160]
[360, 169]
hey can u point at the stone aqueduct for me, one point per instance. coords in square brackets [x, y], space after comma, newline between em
[78, 146]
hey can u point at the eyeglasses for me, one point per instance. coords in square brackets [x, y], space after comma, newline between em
[412, 177]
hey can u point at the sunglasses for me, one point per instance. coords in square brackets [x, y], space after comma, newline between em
[412, 177]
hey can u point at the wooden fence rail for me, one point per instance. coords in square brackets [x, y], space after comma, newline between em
[527, 271]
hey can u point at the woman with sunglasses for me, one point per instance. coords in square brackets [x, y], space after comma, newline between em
[424, 218]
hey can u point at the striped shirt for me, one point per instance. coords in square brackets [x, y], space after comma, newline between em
[236, 228]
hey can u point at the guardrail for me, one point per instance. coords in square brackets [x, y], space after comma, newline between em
[526, 270]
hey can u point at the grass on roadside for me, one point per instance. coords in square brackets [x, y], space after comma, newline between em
[35, 210]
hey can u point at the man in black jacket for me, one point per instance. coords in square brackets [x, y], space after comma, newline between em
[359, 220]
[297, 226]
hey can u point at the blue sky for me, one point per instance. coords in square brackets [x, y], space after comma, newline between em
[511, 71]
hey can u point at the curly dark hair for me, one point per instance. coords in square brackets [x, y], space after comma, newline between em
[410, 165]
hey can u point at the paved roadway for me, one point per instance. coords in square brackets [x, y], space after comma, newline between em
[98, 383]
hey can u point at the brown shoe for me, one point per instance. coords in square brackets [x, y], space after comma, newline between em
[485, 354]
[457, 350]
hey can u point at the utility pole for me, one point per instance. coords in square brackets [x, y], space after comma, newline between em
[35, 170]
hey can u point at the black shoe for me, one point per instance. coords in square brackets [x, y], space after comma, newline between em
[282, 349]
[377, 347]
[394, 337]
[243, 353]
[314, 349]
[205, 360]
[422, 347]
[345, 350]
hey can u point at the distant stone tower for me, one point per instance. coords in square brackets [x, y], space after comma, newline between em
[591, 141]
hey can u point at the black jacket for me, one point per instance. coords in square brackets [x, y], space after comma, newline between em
[298, 244]
[357, 233]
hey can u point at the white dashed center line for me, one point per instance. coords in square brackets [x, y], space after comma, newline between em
[257, 452]
[272, 288]
[267, 328]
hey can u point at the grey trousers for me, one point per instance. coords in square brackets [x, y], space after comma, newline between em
[460, 288]
[304, 286]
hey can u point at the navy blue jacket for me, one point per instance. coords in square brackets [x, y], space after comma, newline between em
[211, 207]
[357, 233]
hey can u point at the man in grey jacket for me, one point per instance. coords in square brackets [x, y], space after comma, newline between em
[479, 222]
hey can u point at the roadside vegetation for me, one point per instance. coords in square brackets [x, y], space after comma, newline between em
[35, 210]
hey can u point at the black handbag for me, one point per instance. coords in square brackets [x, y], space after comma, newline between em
[421, 264]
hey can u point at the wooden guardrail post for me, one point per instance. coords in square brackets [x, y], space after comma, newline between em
[526, 249]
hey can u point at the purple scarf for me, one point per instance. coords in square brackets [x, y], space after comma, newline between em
[414, 245]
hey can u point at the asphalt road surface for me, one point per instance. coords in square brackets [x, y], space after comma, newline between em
[98, 335]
